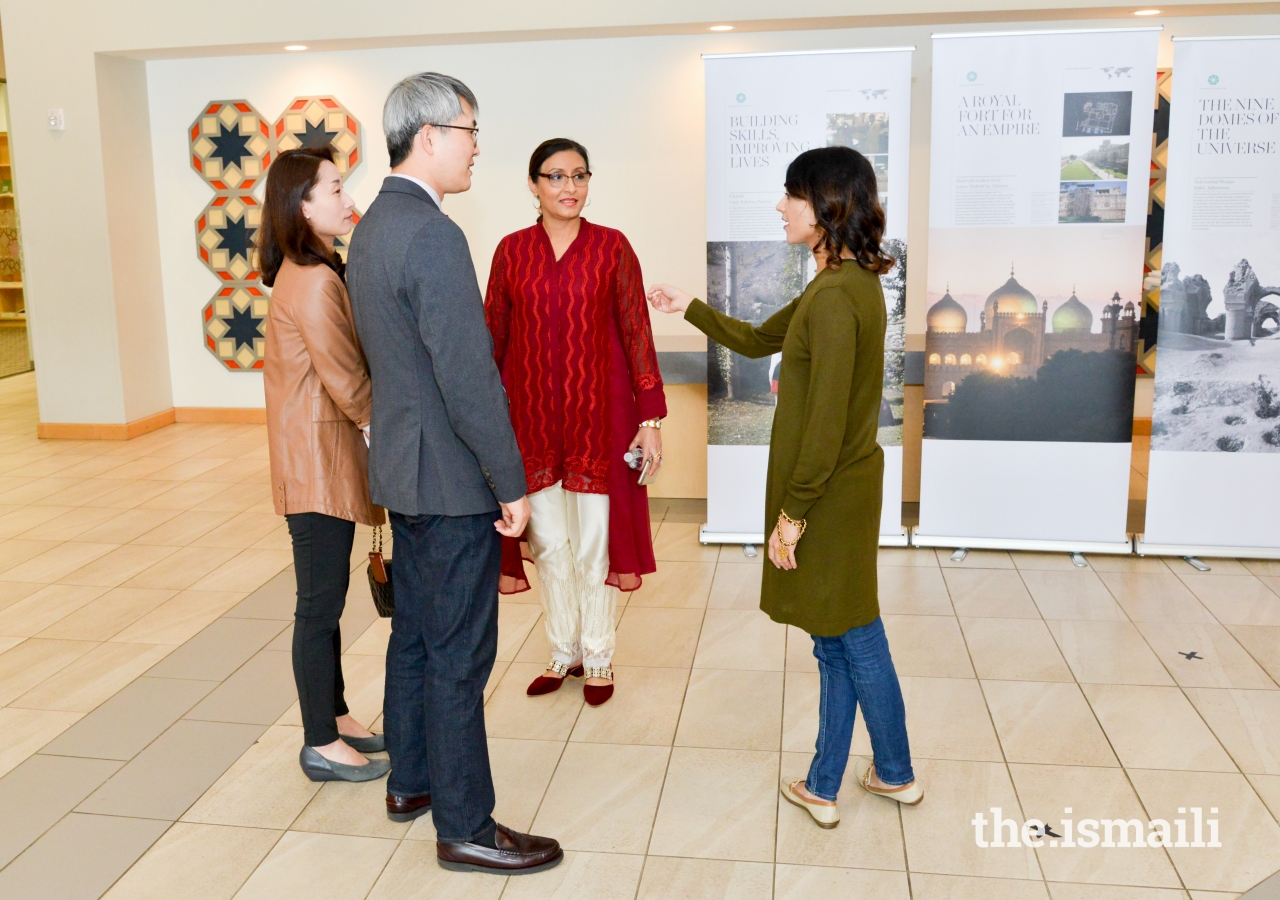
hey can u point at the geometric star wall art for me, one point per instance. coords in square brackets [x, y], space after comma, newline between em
[1149, 322]
[232, 148]
[234, 321]
[225, 235]
[230, 145]
[317, 122]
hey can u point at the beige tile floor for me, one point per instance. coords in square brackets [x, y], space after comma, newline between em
[148, 729]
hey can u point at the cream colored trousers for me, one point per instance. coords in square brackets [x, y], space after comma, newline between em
[569, 536]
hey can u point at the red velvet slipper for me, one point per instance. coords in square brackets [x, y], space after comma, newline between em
[598, 694]
[546, 684]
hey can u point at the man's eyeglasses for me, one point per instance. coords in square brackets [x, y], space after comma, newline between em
[475, 132]
[558, 179]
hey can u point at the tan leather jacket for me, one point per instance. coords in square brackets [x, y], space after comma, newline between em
[318, 398]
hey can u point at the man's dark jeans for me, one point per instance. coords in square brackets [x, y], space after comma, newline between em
[444, 638]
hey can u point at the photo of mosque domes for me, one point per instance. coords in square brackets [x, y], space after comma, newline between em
[1219, 335]
[1037, 357]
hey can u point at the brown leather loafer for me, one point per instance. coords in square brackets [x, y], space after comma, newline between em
[516, 854]
[406, 809]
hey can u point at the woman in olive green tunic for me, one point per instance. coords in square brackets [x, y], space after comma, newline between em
[825, 468]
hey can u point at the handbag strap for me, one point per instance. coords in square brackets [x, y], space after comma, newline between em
[377, 539]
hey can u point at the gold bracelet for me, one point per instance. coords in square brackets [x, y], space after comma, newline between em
[799, 523]
[652, 423]
[782, 516]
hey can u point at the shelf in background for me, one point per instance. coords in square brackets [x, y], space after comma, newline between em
[10, 285]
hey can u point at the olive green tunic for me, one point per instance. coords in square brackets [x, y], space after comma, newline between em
[824, 463]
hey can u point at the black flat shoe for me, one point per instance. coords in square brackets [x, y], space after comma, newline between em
[317, 768]
[375, 744]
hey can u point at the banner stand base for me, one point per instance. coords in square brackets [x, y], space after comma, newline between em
[979, 543]
[902, 539]
[706, 536]
[1142, 548]
[729, 537]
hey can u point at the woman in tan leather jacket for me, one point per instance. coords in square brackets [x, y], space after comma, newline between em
[318, 403]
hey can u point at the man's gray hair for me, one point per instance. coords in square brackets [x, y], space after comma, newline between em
[427, 98]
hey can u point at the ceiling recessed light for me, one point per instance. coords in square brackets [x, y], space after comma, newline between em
[721, 28]
[1147, 12]
[295, 47]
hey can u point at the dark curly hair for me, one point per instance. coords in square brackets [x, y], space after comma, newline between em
[285, 232]
[840, 185]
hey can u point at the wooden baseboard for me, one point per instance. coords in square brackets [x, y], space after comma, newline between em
[81, 431]
[221, 415]
[243, 416]
[84, 431]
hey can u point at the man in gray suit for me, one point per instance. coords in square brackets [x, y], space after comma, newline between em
[442, 460]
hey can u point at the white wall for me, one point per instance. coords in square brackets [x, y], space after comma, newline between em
[50, 46]
[637, 104]
[129, 178]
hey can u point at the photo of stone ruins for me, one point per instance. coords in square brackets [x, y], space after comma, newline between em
[1213, 392]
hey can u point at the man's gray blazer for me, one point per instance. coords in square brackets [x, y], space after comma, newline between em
[441, 439]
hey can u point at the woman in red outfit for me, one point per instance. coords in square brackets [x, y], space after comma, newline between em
[571, 336]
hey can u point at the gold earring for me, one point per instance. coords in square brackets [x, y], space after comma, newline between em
[537, 204]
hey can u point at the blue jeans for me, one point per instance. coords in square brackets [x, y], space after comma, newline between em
[444, 638]
[855, 669]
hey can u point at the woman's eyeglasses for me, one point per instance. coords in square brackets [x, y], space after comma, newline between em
[558, 179]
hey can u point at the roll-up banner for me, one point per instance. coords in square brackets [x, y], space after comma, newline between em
[1213, 485]
[1040, 150]
[763, 109]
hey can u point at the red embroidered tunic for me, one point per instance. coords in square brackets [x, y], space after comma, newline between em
[573, 343]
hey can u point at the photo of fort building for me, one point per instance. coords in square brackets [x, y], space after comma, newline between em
[1092, 202]
[1093, 159]
[1023, 374]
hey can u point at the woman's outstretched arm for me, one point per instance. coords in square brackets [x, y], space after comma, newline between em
[753, 341]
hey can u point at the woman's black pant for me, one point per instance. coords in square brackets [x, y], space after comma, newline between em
[322, 564]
